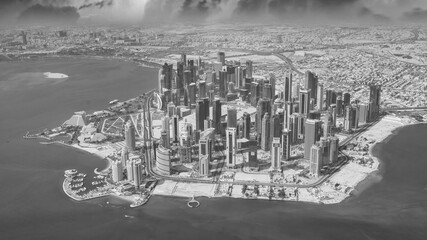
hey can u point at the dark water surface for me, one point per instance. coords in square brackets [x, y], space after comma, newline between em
[33, 206]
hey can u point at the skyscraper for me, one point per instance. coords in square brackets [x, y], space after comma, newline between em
[311, 82]
[221, 57]
[117, 171]
[216, 115]
[137, 173]
[315, 159]
[231, 117]
[223, 84]
[320, 97]
[375, 99]
[263, 107]
[346, 99]
[333, 155]
[288, 88]
[276, 157]
[275, 127]
[202, 89]
[255, 93]
[231, 147]
[249, 69]
[304, 102]
[130, 136]
[246, 125]
[286, 144]
[265, 132]
[312, 135]
[175, 129]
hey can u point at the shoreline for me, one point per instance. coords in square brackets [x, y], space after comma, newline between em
[377, 175]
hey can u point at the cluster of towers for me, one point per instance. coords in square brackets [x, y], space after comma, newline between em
[282, 118]
[133, 168]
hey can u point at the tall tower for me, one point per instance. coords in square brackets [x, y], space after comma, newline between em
[137, 173]
[275, 154]
[265, 132]
[288, 88]
[130, 136]
[246, 125]
[375, 100]
[320, 97]
[275, 127]
[223, 84]
[315, 160]
[263, 107]
[286, 144]
[216, 115]
[304, 102]
[311, 82]
[232, 117]
[221, 57]
[231, 147]
[312, 135]
[117, 171]
[175, 129]
[249, 69]
[333, 155]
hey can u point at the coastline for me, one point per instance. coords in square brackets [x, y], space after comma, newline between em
[376, 175]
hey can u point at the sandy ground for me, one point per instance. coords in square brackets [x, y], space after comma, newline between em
[180, 189]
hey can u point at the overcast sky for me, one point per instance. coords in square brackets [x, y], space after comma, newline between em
[133, 11]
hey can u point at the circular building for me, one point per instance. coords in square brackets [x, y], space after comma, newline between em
[163, 160]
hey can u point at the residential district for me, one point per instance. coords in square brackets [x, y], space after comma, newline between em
[292, 116]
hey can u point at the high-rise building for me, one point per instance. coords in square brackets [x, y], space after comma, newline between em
[137, 173]
[320, 97]
[249, 69]
[117, 171]
[267, 91]
[124, 156]
[202, 112]
[363, 113]
[231, 117]
[216, 116]
[183, 58]
[328, 100]
[180, 77]
[311, 82]
[202, 89]
[312, 133]
[293, 127]
[275, 127]
[192, 93]
[327, 125]
[24, 38]
[333, 155]
[221, 57]
[231, 146]
[304, 102]
[255, 93]
[273, 85]
[348, 118]
[263, 107]
[223, 84]
[346, 100]
[339, 104]
[288, 88]
[239, 77]
[163, 160]
[166, 131]
[315, 160]
[286, 144]
[375, 99]
[175, 129]
[276, 158]
[167, 71]
[246, 125]
[129, 170]
[265, 132]
[130, 136]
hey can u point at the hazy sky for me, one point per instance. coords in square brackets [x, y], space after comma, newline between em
[211, 10]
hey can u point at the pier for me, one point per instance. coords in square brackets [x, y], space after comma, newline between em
[193, 203]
